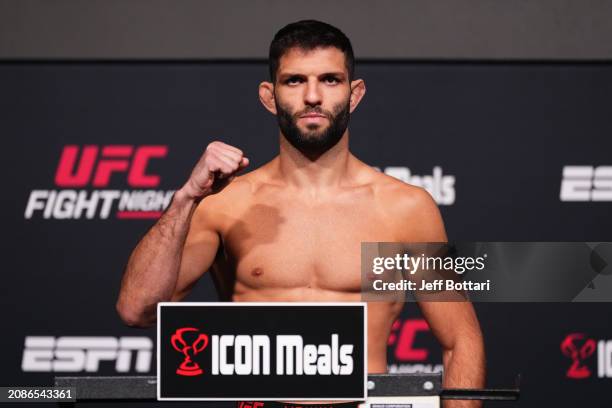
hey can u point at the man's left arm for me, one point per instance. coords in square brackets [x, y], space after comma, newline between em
[456, 327]
[454, 324]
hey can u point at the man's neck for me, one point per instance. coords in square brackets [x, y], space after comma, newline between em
[316, 173]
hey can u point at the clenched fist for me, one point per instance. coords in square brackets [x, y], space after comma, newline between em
[216, 168]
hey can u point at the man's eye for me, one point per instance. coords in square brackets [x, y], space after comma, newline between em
[293, 81]
[331, 80]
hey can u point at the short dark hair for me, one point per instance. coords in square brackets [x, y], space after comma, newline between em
[308, 35]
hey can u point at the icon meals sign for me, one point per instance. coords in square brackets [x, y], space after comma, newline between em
[261, 351]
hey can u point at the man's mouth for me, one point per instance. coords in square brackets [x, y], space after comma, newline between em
[313, 115]
[313, 118]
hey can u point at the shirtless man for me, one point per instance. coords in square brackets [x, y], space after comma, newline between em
[291, 229]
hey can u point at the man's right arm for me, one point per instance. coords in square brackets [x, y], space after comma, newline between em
[182, 245]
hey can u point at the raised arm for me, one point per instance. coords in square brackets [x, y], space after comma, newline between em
[182, 245]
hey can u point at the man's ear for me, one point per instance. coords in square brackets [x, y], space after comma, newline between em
[358, 90]
[266, 96]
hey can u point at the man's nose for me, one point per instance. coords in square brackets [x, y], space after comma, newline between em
[312, 94]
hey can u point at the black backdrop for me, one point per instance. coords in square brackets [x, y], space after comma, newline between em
[503, 131]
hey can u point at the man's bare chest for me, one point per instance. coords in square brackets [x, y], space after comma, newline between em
[302, 246]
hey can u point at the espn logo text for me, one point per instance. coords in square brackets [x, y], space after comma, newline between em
[403, 340]
[441, 187]
[586, 183]
[95, 166]
[580, 348]
[76, 354]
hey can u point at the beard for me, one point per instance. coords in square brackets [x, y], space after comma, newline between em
[315, 140]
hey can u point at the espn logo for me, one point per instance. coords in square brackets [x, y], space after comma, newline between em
[74, 354]
[586, 183]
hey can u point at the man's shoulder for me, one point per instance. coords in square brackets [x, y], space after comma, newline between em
[409, 208]
[397, 195]
[392, 195]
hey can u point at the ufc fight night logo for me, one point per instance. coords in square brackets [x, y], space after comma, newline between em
[586, 183]
[81, 168]
[76, 354]
[581, 349]
[270, 349]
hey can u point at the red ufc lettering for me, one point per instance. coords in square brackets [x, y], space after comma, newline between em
[405, 345]
[65, 177]
[137, 176]
[114, 159]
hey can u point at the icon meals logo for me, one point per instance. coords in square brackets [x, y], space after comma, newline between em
[253, 351]
[188, 367]
[579, 348]
[251, 355]
[94, 166]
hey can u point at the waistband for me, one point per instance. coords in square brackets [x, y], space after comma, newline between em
[274, 404]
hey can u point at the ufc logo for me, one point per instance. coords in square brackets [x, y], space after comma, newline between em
[74, 354]
[251, 405]
[586, 183]
[403, 336]
[74, 172]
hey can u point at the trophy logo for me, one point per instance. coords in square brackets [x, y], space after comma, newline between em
[570, 348]
[188, 367]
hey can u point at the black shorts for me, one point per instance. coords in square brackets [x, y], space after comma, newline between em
[274, 404]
